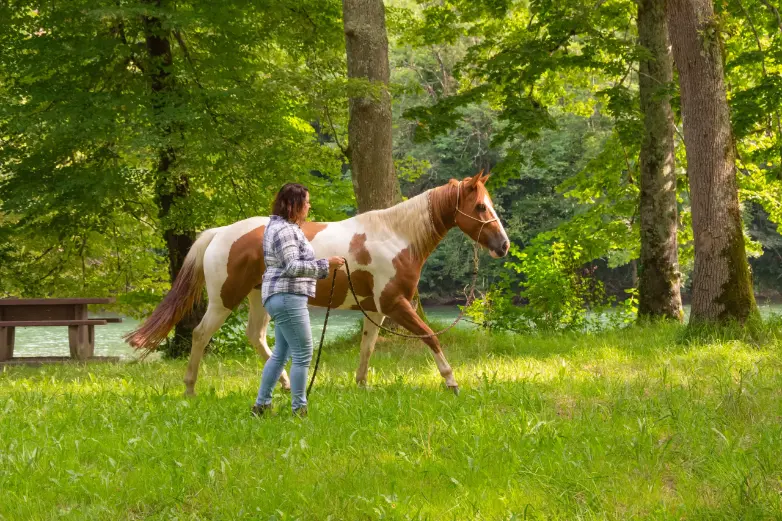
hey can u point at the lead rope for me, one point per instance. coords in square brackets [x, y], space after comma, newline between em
[322, 334]
[470, 296]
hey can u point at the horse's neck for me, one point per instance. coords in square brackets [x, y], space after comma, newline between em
[442, 202]
[422, 221]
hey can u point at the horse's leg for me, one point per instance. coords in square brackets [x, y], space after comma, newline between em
[368, 339]
[213, 319]
[257, 326]
[402, 313]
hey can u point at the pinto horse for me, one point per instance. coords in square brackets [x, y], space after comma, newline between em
[386, 250]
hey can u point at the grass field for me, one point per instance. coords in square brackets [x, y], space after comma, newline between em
[635, 424]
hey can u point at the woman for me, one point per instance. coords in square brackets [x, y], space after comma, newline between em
[291, 270]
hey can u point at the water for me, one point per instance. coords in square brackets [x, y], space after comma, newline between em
[53, 341]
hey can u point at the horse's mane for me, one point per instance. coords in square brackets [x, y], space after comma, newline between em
[411, 219]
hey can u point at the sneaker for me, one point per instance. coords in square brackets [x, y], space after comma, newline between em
[261, 410]
[301, 412]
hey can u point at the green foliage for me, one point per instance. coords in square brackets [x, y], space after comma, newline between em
[554, 78]
[540, 67]
[557, 288]
[543, 94]
[556, 291]
[753, 68]
[527, 57]
[558, 294]
[81, 132]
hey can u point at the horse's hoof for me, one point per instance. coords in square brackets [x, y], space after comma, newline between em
[455, 389]
[361, 383]
[189, 393]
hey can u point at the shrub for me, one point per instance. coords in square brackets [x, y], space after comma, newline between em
[558, 294]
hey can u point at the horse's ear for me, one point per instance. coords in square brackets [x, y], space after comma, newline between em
[472, 181]
[485, 178]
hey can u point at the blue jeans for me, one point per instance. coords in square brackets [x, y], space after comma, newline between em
[292, 337]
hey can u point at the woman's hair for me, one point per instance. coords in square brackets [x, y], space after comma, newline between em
[289, 203]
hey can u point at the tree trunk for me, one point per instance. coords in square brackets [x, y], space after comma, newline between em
[659, 294]
[722, 285]
[369, 128]
[171, 188]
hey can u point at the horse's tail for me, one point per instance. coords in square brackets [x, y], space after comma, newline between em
[185, 292]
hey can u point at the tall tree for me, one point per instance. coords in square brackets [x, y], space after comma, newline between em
[370, 127]
[172, 185]
[722, 286]
[658, 284]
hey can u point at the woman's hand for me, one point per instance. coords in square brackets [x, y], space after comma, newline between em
[336, 262]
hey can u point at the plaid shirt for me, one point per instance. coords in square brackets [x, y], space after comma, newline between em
[290, 261]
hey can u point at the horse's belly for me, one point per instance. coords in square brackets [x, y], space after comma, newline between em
[342, 298]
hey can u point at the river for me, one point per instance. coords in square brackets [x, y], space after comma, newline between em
[53, 341]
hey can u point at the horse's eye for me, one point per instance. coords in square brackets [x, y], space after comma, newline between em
[481, 207]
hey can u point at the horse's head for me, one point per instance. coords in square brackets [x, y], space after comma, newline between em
[475, 216]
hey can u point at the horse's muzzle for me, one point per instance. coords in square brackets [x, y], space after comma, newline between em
[500, 251]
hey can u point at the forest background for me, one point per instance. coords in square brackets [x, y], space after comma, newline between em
[543, 94]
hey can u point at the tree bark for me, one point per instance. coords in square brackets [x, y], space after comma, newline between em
[171, 187]
[369, 128]
[722, 285]
[659, 288]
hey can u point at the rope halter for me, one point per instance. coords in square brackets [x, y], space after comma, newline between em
[482, 221]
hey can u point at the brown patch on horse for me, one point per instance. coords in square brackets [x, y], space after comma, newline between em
[396, 296]
[245, 267]
[323, 289]
[312, 229]
[402, 285]
[368, 304]
[358, 248]
[363, 283]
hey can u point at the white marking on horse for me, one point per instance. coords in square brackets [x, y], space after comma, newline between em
[216, 255]
[493, 214]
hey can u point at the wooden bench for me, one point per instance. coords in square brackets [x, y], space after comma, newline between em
[70, 312]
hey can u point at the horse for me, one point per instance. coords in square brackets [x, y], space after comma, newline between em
[386, 250]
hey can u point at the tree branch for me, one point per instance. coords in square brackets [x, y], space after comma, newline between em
[124, 39]
[561, 42]
[755, 33]
[775, 11]
[335, 134]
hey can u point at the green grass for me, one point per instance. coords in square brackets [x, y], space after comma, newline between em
[621, 425]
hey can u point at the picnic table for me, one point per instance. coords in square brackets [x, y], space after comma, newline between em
[70, 312]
